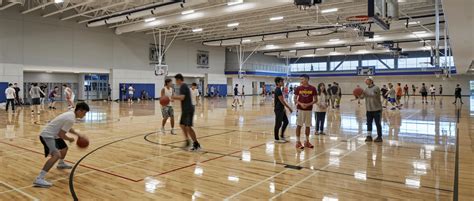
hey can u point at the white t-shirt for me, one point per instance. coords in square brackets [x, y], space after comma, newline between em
[432, 89]
[62, 122]
[10, 93]
[194, 94]
[130, 90]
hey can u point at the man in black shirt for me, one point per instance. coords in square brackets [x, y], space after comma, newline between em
[187, 113]
[17, 94]
[280, 113]
[457, 94]
[236, 96]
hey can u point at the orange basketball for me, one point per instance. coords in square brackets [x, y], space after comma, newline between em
[82, 142]
[165, 100]
[358, 92]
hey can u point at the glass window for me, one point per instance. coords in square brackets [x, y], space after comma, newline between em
[378, 64]
[420, 62]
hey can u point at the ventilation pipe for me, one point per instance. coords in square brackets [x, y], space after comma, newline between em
[140, 12]
[10, 4]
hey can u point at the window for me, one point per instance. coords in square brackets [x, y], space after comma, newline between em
[378, 64]
[420, 62]
[346, 65]
[308, 67]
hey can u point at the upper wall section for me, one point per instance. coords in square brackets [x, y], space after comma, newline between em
[256, 61]
[32, 40]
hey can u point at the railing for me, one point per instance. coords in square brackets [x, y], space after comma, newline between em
[259, 67]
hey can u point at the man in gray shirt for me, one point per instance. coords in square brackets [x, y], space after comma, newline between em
[373, 105]
[35, 92]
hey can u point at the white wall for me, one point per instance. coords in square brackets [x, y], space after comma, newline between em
[50, 77]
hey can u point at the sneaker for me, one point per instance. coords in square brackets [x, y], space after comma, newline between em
[233, 105]
[316, 133]
[63, 166]
[196, 147]
[163, 130]
[378, 139]
[280, 141]
[322, 133]
[187, 144]
[299, 145]
[42, 183]
[283, 138]
[172, 132]
[308, 145]
[368, 139]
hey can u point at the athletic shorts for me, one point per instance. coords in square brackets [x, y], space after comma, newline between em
[35, 101]
[51, 99]
[304, 118]
[433, 93]
[236, 97]
[167, 111]
[52, 145]
[424, 94]
[187, 118]
[392, 100]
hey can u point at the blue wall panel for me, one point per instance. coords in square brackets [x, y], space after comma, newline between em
[3, 86]
[139, 87]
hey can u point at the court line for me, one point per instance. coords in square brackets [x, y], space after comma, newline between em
[19, 190]
[286, 170]
[314, 173]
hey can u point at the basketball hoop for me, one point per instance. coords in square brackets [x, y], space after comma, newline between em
[161, 70]
[358, 18]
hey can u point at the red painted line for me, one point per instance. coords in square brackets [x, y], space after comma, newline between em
[86, 166]
[193, 164]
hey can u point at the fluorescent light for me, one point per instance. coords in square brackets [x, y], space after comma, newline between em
[197, 30]
[276, 18]
[413, 22]
[58, 1]
[334, 40]
[233, 24]
[330, 10]
[376, 36]
[270, 46]
[245, 40]
[299, 43]
[419, 32]
[309, 55]
[150, 19]
[235, 2]
[292, 50]
[320, 49]
[187, 12]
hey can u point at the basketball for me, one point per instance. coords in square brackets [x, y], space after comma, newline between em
[82, 142]
[358, 92]
[165, 100]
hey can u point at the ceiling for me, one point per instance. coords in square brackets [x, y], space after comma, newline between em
[304, 30]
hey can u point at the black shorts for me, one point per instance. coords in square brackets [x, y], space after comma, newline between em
[424, 94]
[35, 101]
[60, 144]
[187, 118]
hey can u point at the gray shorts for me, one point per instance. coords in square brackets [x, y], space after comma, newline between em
[167, 111]
[52, 145]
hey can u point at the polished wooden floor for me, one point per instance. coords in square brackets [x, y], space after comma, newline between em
[129, 160]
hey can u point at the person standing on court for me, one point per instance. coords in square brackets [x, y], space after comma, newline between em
[52, 97]
[305, 97]
[236, 96]
[123, 91]
[187, 113]
[424, 93]
[35, 94]
[333, 94]
[167, 111]
[194, 95]
[131, 91]
[69, 96]
[373, 106]
[406, 93]
[10, 94]
[440, 90]
[457, 94]
[399, 93]
[433, 93]
[320, 108]
[17, 94]
[281, 119]
[52, 137]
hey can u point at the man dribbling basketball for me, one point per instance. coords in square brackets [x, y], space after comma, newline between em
[52, 137]
[167, 111]
[187, 114]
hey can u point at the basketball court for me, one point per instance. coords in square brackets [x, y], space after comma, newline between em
[116, 57]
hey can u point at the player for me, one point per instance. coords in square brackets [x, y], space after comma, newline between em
[187, 114]
[131, 91]
[433, 93]
[52, 137]
[69, 96]
[194, 94]
[167, 111]
[10, 95]
[35, 94]
[373, 105]
[52, 98]
[236, 96]
[305, 97]
[320, 109]
[424, 94]
[281, 120]
[457, 94]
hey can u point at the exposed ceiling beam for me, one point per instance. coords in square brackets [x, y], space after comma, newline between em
[94, 10]
[68, 8]
[37, 7]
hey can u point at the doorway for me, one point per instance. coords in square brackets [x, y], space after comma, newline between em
[96, 86]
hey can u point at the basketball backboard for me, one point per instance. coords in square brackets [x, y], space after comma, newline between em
[378, 11]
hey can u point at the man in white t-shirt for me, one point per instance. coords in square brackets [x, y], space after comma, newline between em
[52, 137]
[194, 95]
[433, 93]
[10, 95]
[131, 90]
[69, 96]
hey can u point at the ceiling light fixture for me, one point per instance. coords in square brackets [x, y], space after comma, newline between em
[187, 12]
[276, 18]
[334, 40]
[235, 2]
[245, 40]
[330, 10]
[58, 1]
[419, 32]
[197, 30]
[413, 22]
[233, 24]
[299, 43]
[150, 19]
